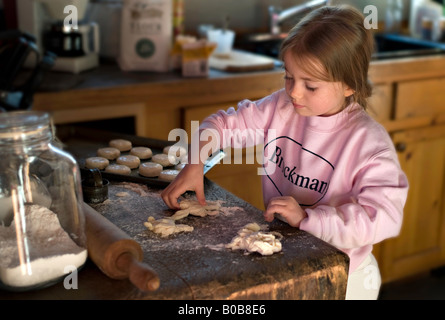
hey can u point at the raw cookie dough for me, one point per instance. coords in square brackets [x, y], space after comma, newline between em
[150, 169]
[130, 161]
[252, 239]
[184, 159]
[108, 153]
[141, 152]
[164, 159]
[175, 151]
[180, 166]
[120, 144]
[194, 208]
[96, 163]
[168, 175]
[118, 169]
[166, 226]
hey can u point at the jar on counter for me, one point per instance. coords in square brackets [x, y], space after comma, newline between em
[427, 29]
[393, 18]
[42, 231]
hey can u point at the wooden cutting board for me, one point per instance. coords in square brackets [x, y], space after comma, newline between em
[241, 61]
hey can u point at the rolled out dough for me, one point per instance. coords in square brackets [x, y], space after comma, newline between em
[193, 207]
[166, 226]
[251, 239]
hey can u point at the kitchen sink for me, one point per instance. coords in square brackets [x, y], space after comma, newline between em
[388, 46]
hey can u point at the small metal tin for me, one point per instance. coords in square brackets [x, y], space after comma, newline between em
[94, 188]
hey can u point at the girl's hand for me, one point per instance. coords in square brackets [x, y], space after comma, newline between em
[190, 178]
[288, 208]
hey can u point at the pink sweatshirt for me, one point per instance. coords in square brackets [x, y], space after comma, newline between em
[342, 169]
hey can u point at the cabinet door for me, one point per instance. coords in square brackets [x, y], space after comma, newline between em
[421, 243]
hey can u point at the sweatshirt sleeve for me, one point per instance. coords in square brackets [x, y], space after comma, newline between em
[375, 209]
[243, 127]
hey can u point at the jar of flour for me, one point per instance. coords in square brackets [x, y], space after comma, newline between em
[42, 232]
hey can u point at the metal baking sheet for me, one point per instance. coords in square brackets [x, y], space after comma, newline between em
[82, 143]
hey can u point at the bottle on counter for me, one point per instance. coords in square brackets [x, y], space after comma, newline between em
[178, 18]
[393, 18]
[425, 13]
[42, 231]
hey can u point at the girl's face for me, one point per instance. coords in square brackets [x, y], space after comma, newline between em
[311, 96]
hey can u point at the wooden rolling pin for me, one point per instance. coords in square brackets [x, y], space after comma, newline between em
[115, 253]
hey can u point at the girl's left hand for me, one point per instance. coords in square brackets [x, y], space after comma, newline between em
[288, 208]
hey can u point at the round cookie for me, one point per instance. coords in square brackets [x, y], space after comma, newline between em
[120, 144]
[96, 163]
[184, 159]
[164, 159]
[118, 169]
[176, 151]
[150, 169]
[141, 152]
[168, 175]
[180, 166]
[130, 161]
[108, 153]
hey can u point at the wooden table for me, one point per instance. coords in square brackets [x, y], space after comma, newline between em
[197, 266]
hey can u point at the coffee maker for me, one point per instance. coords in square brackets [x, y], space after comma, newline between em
[51, 22]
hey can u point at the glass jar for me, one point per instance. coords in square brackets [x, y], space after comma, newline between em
[42, 231]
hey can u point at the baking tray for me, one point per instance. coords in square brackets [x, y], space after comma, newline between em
[82, 143]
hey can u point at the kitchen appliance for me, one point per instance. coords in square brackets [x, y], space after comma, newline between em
[425, 11]
[76, 43]
[17, 83]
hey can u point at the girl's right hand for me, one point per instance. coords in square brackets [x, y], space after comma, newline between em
[190, 178]
[288, 208]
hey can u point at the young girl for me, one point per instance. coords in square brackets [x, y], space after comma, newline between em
[336, 174]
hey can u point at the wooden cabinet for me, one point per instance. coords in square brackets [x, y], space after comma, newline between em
[135, 110]
[421, 243]
[418, 132]
[380, 103]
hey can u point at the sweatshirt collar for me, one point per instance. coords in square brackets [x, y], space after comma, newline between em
[335, 122]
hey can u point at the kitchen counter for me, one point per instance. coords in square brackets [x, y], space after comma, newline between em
[196, 265]
[112, 85]
[108, 76]
[107, 89]
[156, 100]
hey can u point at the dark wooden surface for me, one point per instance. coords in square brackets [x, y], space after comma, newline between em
[197, 265]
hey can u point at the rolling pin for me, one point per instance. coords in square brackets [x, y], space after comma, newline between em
[115, 253]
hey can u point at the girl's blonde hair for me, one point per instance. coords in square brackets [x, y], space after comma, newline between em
[336, 38]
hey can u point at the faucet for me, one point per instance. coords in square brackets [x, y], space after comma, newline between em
[277, 17]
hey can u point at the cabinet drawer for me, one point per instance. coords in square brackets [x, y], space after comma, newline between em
[420, 98]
